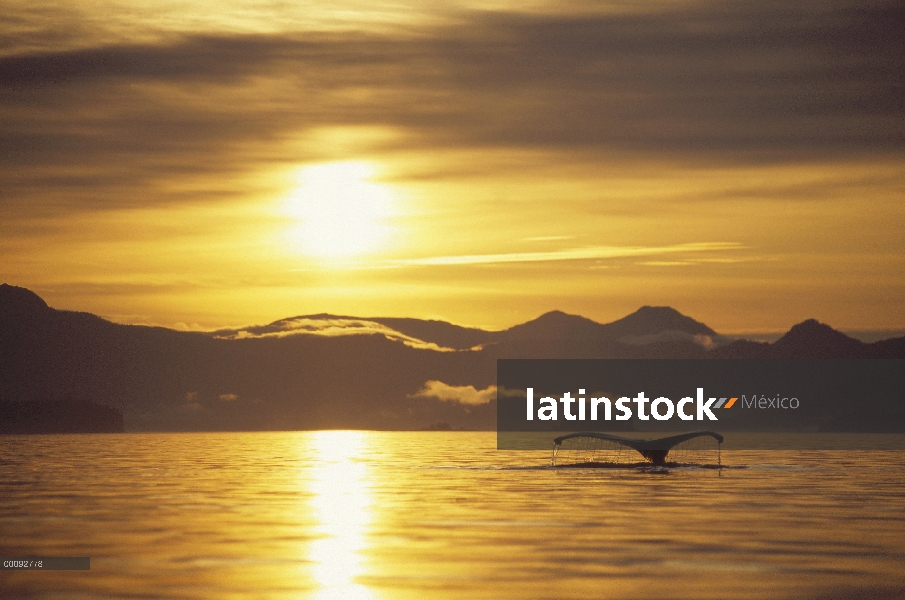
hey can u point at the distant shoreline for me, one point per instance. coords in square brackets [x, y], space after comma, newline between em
[59, 416]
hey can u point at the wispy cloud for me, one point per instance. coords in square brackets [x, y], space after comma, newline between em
[463, 394]
[588, 253]
[329, 327]
[705, 260]
[707, 341]
[549, 238]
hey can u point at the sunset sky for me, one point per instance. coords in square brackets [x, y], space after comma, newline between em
[205, 164]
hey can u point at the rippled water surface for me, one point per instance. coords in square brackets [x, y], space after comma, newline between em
[381, 515]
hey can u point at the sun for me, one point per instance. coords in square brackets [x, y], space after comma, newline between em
[340, 211]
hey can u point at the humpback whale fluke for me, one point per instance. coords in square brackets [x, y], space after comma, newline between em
[653, 450]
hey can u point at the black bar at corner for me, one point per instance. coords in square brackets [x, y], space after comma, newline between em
[47, 563]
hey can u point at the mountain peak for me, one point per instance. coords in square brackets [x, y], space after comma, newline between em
[555, 325]
[650, 320]
[18, 300]
[812, 329]
[812, 325]
[813, 339]
[554, 316]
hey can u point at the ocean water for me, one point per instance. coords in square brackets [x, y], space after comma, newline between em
[389, 515]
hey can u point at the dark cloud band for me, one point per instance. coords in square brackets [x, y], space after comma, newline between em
[752, 81]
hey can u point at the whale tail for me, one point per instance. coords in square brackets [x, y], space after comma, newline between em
[590, 449]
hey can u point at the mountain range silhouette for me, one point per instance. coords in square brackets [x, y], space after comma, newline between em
[332, 371]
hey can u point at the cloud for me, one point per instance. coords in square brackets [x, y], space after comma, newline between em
[703, 340]
[593, 252]
[328, 327]
[548, 238]
[228, 397]
[762, 81]
[463, 394]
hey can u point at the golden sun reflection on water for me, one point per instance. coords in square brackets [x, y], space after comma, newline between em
[342, 505]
